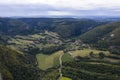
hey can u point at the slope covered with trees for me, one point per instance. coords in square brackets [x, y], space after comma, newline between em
[65, 27]
[106, 35]
[17, 66]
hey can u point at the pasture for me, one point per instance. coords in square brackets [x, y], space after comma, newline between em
[86, 52]
[48, 61]
[65, 78]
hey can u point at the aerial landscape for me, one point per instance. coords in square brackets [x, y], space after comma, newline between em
[60, 40]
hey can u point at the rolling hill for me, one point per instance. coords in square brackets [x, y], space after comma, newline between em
[65, 27]
[108, 34]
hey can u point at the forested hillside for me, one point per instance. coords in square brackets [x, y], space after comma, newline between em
[104, 36]
[64, 27]
[15, 65]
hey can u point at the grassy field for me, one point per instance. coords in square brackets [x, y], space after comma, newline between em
[52, 34]
[85, 52]
[112, 60]
[67, 57]
[24, 42]
[25, 39]
[48, 61]
[51, 74]
[36, 36]
[65, 78]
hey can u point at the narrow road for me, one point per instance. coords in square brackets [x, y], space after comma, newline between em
[69, 53]
[60, 68]
[0, 77]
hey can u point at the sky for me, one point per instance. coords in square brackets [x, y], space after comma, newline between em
[58, 8]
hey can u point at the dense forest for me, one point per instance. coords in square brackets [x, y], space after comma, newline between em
[64, 27]
[15, 65]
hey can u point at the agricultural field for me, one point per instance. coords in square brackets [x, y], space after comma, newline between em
[27, 43]
[65, 78]
[48, 61]
[52, 60]
[67, 57]
[79, 70]
[52, 34]
[86, 52]
[92, 68]
[51, 74]
[22, 42]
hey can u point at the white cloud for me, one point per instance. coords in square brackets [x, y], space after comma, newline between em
[76, 4]
[60, 7]
[59, 13]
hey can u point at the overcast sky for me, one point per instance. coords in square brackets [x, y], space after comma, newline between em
[46, 8]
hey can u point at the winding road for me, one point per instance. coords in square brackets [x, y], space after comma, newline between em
[0, 77]
[60, 68]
